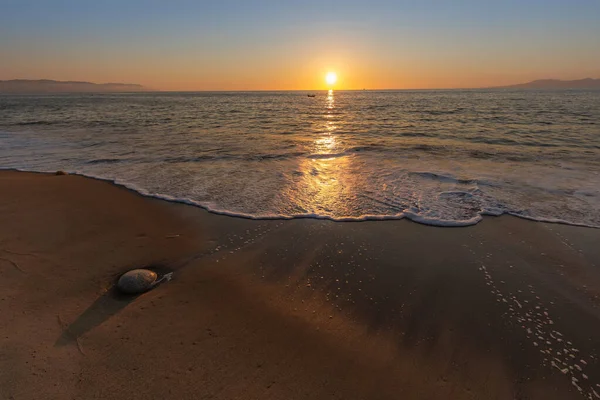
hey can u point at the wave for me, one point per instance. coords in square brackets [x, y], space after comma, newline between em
[326, 156]
[370, 147]
[442, 178]
[41, 122]
[417, 134]
[104, 161]
[442, 112]
[226, 157]
[410, 214]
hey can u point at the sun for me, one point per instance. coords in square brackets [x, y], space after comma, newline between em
[331, 78]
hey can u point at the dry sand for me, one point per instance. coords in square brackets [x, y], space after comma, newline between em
[301, 309]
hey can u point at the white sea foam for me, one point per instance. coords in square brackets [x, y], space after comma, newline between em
[411, 215]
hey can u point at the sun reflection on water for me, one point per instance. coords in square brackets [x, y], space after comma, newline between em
[325, 185]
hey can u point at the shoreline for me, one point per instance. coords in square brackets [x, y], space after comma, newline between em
[363, 218]
[300, 308]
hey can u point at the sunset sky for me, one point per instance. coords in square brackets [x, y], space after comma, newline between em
[264, 45]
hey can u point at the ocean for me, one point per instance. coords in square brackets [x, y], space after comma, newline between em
[443, 158]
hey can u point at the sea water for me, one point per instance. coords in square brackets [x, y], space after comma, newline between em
[436, 157]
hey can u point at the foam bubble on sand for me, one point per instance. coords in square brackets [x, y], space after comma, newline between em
[535, 320]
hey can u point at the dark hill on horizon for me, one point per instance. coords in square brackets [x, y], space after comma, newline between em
[52, 86]
[587, 83]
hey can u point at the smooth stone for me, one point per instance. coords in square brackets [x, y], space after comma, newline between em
[136, 281]
[61, 173]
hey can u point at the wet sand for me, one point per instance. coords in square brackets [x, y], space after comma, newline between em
[301, 309]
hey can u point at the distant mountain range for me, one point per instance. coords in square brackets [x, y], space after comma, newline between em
[50, 86]
[588, 83]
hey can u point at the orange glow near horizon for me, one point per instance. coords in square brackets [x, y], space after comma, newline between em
[302, 71]
[296, 67]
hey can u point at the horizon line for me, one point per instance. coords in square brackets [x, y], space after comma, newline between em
[146, 89]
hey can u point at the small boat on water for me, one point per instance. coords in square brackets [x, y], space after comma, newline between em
[311, 95]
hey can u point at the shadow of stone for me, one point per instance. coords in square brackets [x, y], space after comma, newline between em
[106, 306]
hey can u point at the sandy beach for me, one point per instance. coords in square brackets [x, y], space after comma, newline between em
[297, 309]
